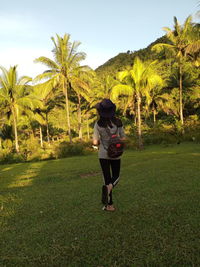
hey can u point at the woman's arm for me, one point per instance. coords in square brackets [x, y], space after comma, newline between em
[122, 134]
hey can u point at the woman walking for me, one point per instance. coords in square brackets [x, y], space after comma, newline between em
[106, 127]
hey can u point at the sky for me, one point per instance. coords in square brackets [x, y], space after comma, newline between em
[105, 28]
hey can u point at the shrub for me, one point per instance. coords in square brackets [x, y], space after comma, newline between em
[31, 149]
[160, 135]
[7, 144]
[65, 149]
[131, 143]
[9, 157]
[191, 134]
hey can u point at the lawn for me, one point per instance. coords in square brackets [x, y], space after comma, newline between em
[50, 211]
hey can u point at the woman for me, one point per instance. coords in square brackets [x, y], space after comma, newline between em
[107, 125]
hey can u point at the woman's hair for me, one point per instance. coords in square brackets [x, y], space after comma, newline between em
[104, 122]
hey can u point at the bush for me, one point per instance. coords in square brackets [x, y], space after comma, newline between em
[31, 150]
[160, 135]
[9, 157]
[7, 144]
[131, 143]
[160, 138]
[192, 133]
[65, 149]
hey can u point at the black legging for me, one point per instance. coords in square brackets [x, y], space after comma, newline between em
[107, 166]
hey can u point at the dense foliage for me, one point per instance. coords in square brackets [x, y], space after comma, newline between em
[156, 90]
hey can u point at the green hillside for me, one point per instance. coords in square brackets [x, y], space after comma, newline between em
[122, 60]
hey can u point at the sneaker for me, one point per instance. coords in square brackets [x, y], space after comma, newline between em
[108, 208]
[104, 198]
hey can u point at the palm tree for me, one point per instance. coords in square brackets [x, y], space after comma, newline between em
[136, 83]
[193, 50]
[184, 43]
[81, 85]
[63, 68]
[106, 84]
[156, 100]
[45, 92]
[16, 96]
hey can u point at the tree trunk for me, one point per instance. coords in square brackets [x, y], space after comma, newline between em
[140, 144]
[181, 94]
[154, 116]
[0, 143]
[15, 131]
[135, 120]
[135, 114]
[47, 124]
[88, 129]
[41, 137]
[67, 111]
[80, 135]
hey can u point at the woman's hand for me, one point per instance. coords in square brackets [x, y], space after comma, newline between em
[95, 142]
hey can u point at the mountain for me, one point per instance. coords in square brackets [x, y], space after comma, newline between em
[123, 60]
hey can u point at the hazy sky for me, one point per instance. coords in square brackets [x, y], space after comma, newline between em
[104, 27]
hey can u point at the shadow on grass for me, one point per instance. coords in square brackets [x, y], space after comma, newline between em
[49, 199]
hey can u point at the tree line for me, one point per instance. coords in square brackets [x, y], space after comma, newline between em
[61, 99]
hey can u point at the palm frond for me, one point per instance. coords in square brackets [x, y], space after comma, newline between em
[61, 49]
[73, 49]
[86, 70]
[43, 90]
[76, 59]
[4, 78]
[47, 62]
[29, 101]
[121, 89]
[167, 30]
[24, 80]
[39, 118]
[193, 47]
[122, 75]
[45, 76]
[161, 46]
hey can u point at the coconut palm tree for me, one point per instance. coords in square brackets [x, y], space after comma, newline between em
[193, 50]
[154, 101]
[107, 83]
[16, 96]
[185, 42]
[45, 92]
[81, 84]
[82, 96]
[137, 83]
[63, 68]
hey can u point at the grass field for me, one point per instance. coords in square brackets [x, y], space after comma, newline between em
[50, 211]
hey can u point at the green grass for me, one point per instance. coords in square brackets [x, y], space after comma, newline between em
[50, 211]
